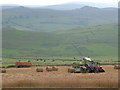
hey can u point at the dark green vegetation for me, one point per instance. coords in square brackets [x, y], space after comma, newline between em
[37, 19]
[100, 40]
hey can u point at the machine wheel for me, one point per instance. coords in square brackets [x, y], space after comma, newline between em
[89, 70]
[96, 70]
[101, 70]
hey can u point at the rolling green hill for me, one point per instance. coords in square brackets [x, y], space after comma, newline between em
[100, 40]
[47, 20]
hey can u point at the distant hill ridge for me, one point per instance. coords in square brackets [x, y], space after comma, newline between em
[40, 19]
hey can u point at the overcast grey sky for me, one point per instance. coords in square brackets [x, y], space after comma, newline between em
[52, 2]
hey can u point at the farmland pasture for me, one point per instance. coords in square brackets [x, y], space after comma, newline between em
[47, 38]
[56, 60]
[28, 77]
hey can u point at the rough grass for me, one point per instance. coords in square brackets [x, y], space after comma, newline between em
[90, 41]
[28, 77]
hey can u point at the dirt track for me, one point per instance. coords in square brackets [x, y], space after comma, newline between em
[28, 77]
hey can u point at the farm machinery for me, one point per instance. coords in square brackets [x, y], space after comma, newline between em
[86, 66]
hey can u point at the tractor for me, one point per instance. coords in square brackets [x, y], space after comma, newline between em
[87, 66]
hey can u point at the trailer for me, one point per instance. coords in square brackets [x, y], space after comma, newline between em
[23, 64]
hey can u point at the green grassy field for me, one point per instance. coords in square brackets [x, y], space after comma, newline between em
[100, 40]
